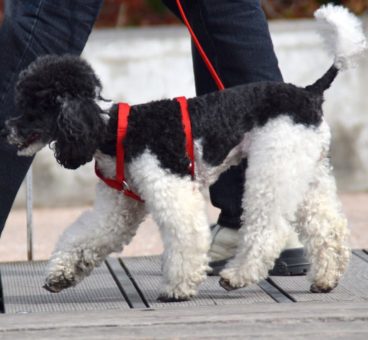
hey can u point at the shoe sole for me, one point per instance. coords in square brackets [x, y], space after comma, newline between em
[292, 262]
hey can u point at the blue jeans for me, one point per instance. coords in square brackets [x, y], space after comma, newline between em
[235, 36]
[32, 28]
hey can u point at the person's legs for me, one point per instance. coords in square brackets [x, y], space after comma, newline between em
[238, 40]
[30, 29]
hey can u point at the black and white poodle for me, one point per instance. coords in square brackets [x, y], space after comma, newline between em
[278, 127]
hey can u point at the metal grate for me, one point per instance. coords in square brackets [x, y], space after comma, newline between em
[352, 287]
[147, 274]
[23, 293]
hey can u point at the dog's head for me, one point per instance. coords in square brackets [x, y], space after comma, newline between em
[57, 97]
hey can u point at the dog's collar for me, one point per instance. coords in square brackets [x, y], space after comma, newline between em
[119, 183]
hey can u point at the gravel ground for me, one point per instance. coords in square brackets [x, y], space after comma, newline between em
[50, 223]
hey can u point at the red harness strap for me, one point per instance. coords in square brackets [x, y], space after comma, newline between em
[119, 183]
[188, 132]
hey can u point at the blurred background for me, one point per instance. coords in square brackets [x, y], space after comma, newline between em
[141, 52]
[123, 13]
[117, 13]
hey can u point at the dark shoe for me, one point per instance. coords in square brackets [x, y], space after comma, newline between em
[291, 262]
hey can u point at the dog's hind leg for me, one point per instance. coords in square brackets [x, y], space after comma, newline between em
[178, 207]
[324, 231]
[281, 158]
[111, 223]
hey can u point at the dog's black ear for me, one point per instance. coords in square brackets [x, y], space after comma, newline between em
[79, 129]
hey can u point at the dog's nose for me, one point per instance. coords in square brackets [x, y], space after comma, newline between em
[7, 129]
[4, 132]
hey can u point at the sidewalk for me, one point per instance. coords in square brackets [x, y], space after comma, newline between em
[50, 223]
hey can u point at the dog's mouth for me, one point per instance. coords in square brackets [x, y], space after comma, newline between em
[14, 135]
[28, 146]
[31, 139]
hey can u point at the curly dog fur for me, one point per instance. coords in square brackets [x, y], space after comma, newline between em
[278, 127]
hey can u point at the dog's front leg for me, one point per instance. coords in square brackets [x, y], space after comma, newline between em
[112, 222]
[185, 233]
[178, 207]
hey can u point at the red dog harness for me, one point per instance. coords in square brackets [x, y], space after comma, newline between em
[119, 183]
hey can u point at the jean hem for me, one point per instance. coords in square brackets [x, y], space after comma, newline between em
[230, 222]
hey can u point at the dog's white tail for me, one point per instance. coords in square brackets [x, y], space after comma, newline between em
[344, 38]
[342, 33]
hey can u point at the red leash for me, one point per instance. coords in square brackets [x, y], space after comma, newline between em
[203, 54]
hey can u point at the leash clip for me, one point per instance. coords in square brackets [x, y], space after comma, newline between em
[191, 167]
[125, 186]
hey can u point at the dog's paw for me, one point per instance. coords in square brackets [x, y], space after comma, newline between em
[60, 277]
[314, 288]
[177, 293]
[233, 278]
[55, 284]
[167, 298]
[67, 269]
[224, 283]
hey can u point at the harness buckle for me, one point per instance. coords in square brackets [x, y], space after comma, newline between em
[190, 168]
[125, 186]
